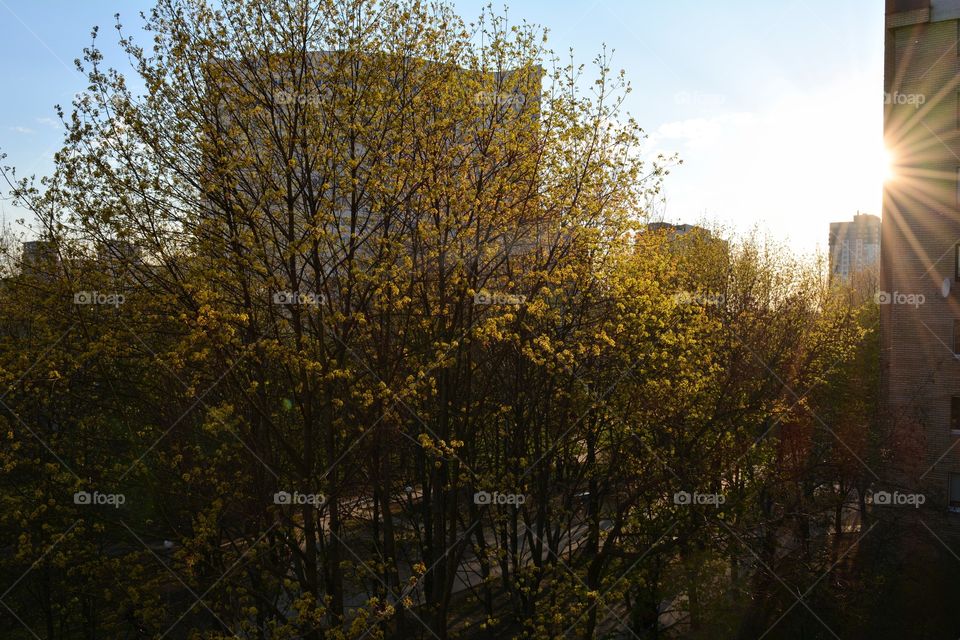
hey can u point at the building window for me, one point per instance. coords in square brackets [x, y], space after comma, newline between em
[955, 413]
[954, 489]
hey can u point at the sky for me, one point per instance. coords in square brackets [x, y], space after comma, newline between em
[773, 105]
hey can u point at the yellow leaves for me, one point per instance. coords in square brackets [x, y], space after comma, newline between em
[537, 307]
[606, 339]
[543, 342]
[367, 398]
[489, 623]
[439, 448]
[425, 441]
[566, 359]
[397, 307]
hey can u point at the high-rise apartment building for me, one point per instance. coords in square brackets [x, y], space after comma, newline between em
[855, 247]
[920, 254]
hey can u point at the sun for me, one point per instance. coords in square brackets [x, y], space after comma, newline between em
[885, 165]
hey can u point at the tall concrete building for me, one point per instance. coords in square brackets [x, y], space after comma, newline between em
[854, 247]
[920, 249]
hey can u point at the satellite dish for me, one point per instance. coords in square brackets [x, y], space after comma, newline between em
[945, 287]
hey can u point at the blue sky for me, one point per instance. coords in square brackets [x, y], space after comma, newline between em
[775, 106]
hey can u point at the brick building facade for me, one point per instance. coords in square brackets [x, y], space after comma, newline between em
[920, 248]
